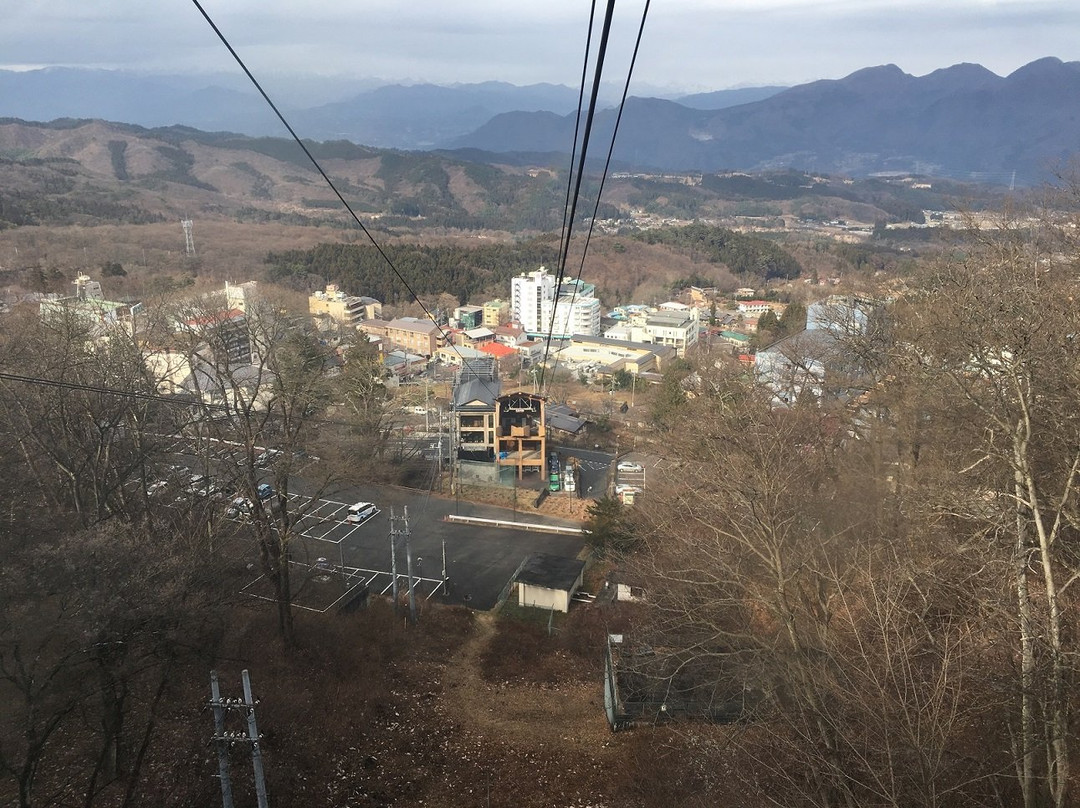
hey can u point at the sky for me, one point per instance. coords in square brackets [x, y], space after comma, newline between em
[688, 45]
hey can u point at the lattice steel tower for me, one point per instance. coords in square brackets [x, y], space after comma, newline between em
[189, 240]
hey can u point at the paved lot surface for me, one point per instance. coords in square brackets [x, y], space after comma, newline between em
[334, 558]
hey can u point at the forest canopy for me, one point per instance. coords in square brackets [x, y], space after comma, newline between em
[744, 255]
[428, 270]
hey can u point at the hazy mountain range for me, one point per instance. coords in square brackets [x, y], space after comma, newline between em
[962, 121]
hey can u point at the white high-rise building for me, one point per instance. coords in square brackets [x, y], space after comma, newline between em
[533, 298]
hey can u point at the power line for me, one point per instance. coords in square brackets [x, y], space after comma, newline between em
[607, 161]
[327, 179]
[565, 246]
[577, 123]
[614, 134]
[590, 115]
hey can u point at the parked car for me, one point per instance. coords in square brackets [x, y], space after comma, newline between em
[361, 511]
[241, 506]
[265, 491]
[267, 457]
[569, 483]
[202, 486]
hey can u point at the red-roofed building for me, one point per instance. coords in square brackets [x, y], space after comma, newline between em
[498, 350]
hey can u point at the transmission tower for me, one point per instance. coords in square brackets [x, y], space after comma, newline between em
[189, 240]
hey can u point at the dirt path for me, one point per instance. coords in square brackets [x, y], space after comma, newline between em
[566, 716]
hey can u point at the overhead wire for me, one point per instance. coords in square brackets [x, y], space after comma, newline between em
[614, 135]
[603, 176]
[568, 213]
[569, 210]
[577, 123]
[589, 117]
[607, 161]
[330, 183]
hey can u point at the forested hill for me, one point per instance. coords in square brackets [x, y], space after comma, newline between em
[473, 273]
[744, 255]
[464, 273]
[94, 172]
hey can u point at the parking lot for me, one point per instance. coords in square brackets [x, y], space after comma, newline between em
[334, 560]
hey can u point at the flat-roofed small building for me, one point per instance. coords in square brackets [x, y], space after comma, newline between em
[478, 337]
[549, 582]
[496, 313]
[614, 354]
[89, 308]
[674, 325]
[467, 317]
[455, 356]
[342, 308]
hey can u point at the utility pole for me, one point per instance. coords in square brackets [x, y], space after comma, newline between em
[444, 578]
[220, 742]
[408, 568]
[256, 747]
[226, 738]
[440, 434]
[393, 559]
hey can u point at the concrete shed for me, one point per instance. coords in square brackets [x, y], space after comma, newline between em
[548, 581]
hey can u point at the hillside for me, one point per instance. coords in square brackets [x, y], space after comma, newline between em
[91, 172]
[177, 171]
[80, 195]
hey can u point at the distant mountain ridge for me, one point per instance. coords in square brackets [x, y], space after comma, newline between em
[400, 116]
[962, 122]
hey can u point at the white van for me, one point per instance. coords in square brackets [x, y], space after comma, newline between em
[361, 512]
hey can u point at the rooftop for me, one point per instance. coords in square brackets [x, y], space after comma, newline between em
[550, 571]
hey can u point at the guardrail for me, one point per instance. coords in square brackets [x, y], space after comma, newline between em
[534, 526]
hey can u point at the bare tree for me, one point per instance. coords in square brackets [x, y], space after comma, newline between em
[94, 625]
[994, 336]
[79, 405]
[256, 379]
[782, 590]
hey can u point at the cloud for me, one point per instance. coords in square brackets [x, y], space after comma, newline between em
[694, 44]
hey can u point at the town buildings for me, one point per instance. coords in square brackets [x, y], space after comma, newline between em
[89, 308]
[673, 325]
[343, 309]
[410, 334]
[540, 307]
